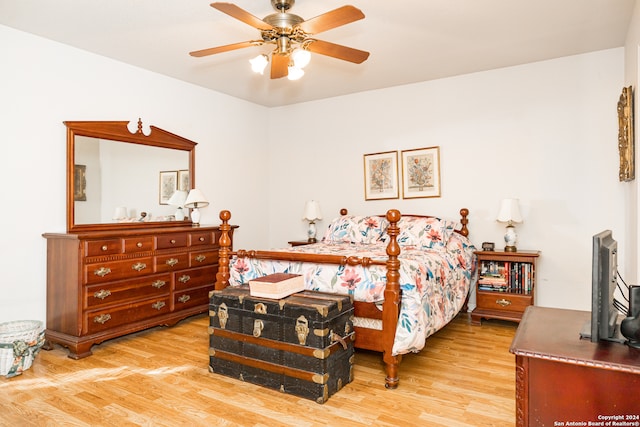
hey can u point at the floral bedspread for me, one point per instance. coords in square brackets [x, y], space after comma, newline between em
[434, 282]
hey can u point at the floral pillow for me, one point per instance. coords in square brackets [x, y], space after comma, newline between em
[356, 229]
[425, 233]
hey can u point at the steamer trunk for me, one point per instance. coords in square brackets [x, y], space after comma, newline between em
[301, 344]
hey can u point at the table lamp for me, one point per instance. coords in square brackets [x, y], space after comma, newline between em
[510, 213]
[312, 214]
[178, 199]
[195, 200]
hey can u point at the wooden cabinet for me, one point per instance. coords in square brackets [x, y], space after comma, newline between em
[505, 286]
[104, 284]
[563, 380]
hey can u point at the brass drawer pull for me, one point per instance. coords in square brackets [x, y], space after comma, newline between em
[171, 262]
[139, 266]
[102, 294]
[184, 298]
[184, 279]
[172, 241]
[158, 284]
[200, 258]
[102, 271]
[102, 319]
[104, 247]
[139, 244]
[158, 305]
[201, 239]
[503, 302]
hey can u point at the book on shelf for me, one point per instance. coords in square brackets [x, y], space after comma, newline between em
[276, 285]
[506, 276]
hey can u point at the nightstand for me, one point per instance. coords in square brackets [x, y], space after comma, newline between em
[299, 242]
[505, 286]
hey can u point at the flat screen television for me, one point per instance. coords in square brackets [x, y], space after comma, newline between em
[604, 324]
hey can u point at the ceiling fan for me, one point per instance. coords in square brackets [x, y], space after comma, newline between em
[292, 37]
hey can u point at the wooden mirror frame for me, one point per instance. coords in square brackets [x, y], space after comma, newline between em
[118, 131]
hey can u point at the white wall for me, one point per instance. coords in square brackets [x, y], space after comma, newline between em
[45, 83]
[545, 133]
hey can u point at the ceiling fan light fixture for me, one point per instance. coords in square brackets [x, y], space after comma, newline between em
[301, 57]
[295, 73]
[259, 63]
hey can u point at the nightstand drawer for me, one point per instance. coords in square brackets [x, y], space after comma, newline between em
[503, 301]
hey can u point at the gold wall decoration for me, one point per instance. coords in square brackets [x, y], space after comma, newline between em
[625, 135]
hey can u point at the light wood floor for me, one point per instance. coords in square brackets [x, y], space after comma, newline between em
[464, 377]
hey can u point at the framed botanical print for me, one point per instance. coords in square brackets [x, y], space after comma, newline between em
[421, 172]
[80, 183]
[381, 176]
[183, 180]
[168, 185]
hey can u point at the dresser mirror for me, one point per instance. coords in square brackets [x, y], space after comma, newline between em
[117, 177]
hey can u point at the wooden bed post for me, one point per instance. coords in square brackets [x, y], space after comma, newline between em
[464, 213]
[391, 304]
[222, 277]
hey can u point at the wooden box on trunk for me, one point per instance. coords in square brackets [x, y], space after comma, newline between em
[301, 344]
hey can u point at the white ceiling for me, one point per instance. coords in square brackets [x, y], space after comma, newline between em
[410, 40]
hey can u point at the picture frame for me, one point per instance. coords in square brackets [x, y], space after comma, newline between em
[80, 183]
[421, 172]
[626, 146]
[183, 180]
[168, 186]
[381, 176]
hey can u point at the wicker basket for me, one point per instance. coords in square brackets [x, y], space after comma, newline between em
[20, 342]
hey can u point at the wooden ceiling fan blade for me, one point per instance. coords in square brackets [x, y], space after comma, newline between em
[279, 66]
[333, 19]
[338, 51]
[221, 49]
[241, 15]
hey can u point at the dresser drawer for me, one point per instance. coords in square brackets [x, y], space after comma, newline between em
[173, 262]
[116, 292]
[201, 238]
[101, 272]
[138, 244]
[103, 247]
[174, 240]
[503, 301]
[197, 259]
[191, 298]
[195, 277]
[100, 320]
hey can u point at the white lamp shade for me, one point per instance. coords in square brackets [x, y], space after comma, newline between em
[178, 198]
[312, 211]
[510, 211]
[195, 199]
[259, 63]
[301, 58]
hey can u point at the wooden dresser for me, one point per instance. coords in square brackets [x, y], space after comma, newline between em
[104, 284]
[563, 380]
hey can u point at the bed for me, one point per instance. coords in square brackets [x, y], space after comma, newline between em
[408, 275]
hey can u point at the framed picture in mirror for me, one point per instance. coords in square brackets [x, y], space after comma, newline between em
[168, 185]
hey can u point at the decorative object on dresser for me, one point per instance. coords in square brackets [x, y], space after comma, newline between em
[365, 256]
[195, 200]
[108, 278]
[301, 344]
[505, 286]
[510, 213]
[312, 214]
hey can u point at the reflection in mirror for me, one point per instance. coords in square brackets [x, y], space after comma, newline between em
[118, 178]
[116, 182]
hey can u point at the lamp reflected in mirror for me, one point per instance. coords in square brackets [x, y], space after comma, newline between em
[177, 199]
[312, 214]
